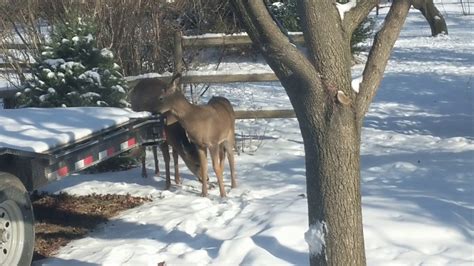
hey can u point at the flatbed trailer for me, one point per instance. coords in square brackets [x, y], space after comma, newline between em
[27, 165]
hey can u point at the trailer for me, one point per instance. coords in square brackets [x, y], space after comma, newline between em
[41, 145]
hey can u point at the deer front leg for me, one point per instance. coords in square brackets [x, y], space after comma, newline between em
[203, 161]
[177, 178]
[155, 159]
[216, 164]
[142, 155]
[166, 157]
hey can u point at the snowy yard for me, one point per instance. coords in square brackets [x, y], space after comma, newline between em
[417, 175]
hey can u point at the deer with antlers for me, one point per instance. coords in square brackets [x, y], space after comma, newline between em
[144, 97]
[210, 127]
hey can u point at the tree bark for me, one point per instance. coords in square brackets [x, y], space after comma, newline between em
[432, 15]
[332, 177]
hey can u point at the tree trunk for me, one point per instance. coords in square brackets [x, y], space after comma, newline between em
[333, 179]
[432, 15]
[329, 112]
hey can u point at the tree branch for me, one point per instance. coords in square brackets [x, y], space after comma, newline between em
[379, 54]
[356, 15]
[328, 46]
[315, 14]
[282, 56]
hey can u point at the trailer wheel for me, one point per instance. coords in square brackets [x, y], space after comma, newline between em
[16, 222]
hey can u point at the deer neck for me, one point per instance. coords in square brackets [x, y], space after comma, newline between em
[181, 108]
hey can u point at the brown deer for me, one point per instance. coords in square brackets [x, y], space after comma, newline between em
[210, 126]
[144, 97]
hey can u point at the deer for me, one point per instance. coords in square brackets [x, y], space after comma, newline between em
[144, 97]
[211, 127]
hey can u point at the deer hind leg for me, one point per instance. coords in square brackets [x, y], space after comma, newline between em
[222, 156]
[177, 178]
[166, 157]
[155, 159]
[202, 154]
[229, 148]
[218, 169]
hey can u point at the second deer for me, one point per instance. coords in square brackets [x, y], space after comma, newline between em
[210, 127]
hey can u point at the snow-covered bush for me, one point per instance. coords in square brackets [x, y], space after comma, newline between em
[72, 71]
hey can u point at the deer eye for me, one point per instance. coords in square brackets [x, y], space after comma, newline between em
[161, 98]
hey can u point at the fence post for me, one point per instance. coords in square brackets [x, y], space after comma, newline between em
[178, 52]
[178, 55]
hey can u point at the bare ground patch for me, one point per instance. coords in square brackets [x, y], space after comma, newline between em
[62, 218]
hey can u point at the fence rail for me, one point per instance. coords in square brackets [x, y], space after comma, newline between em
[259, 114]
[219, 78]
[214, 40]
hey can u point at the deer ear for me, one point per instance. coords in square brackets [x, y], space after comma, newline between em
[175, 81]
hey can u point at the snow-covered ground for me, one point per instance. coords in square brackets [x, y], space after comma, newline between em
[417, 175]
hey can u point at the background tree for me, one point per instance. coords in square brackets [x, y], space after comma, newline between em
[329, 111]
[432, 15]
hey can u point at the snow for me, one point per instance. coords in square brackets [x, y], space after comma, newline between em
[54, 63]
[355, 84]
[51, 75]
[118, 88]
[106, 53]
[71, 64]
[43, 97]
[416, 167]
[41, 129]
[89, 38]
[346, 7]
[92, 76]
[90, 95]
[315, 237]
[278, 4]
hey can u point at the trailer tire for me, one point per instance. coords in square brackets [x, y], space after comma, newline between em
[17, 235]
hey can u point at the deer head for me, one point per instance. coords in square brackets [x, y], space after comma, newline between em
[169, 95]
[145, 95]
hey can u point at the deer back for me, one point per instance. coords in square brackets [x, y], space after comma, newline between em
[208, 124]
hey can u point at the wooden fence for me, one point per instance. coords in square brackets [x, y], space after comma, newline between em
[209, 41]
[219, 40]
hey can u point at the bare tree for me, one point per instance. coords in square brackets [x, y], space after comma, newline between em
[330, 113]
